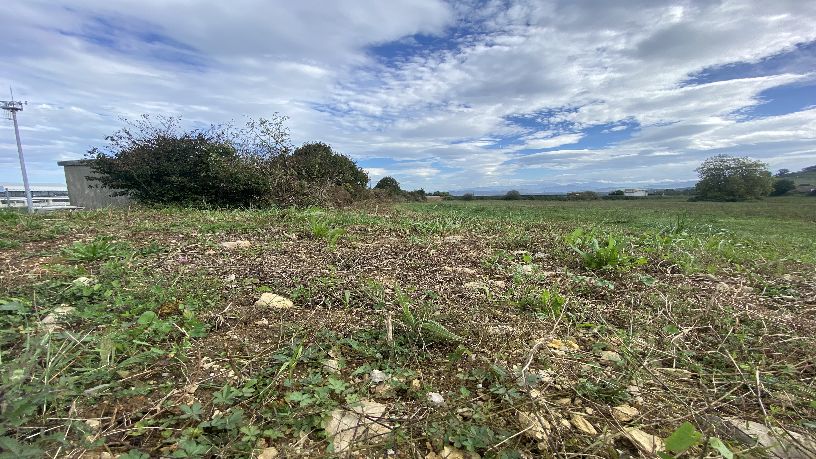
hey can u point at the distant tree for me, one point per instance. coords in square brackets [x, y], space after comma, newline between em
[616, 193]
[512, 195]
[467, 197]
[782, 172]
[782, 186]
[809, 169]
[729, 178]
[389, 184]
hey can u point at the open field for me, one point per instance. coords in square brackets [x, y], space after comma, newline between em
[517, 329]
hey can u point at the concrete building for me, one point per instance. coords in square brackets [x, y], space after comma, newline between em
[635, 193]
[86, 193]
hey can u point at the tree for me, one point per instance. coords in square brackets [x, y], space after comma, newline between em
[389, 184]
[782, 186]
[616, 193]
[729, 178]
[512, 195]
[317, 162]
[467, 197]
[782, 172]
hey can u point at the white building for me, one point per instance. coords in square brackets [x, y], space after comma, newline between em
[633, 192]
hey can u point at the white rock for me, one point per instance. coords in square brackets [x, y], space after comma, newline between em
[378, 377]
[436, 398]
[778, 442]
[232, 245]
[51, 321]
[526, 269]
[268, 453]
[649, 444]
[610, 357]
[362, 423]
[537, 427]
[624, 413]
[331, 366]
[583, 425]
[94, 424]
[272, 300]
[84, 281]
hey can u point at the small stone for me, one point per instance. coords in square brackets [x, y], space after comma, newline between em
[475, 285]
[84, 281]
[416, 385]
[94, 424]
[51, 322]
[331, 366]
[564, 401]
[268, 453]
[378, 377]
[272, 300]
[537, 427]
[232, 245]
[263, 321]
[624, 413]
[436, 398]
[649, 444]
[526, 269]
[610, 357]
[583, 425]
[362, 423]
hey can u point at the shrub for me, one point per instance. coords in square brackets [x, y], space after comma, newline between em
[155, 162]
[782, 186]
[388, 184]
[317, 163]
[512, 195]
[467, 197]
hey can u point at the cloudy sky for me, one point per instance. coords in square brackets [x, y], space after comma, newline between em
[441, 95]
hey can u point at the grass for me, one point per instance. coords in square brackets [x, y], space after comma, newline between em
[136, 333]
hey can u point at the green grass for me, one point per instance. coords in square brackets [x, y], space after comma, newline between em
[137, 332]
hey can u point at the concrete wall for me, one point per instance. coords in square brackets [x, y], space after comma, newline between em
[86, 193]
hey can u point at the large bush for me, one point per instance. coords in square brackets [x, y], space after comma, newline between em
[154, 161]
[388, 184]
[728, 178]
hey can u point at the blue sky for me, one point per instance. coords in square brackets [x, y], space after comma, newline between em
[532, 95]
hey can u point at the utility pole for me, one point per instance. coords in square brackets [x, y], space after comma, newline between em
[13, 107]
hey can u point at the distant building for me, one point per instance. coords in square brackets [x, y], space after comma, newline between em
[86, 193]
[635, 193]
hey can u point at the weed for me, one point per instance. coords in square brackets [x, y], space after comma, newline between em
[321, 229]
[97, 249]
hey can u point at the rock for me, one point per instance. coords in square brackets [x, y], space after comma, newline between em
[436, 398]
[331, 366]
[378, 377]
[51, 322]
[416, 385]
[475, 285]
[526, 269]
[537, 427]
[272, 300]
[363, 423]
[263, 321]
[84, 281]
[94, 424]
[610, 357]
[776, 441]
[449, 452]
[566, 401]
[624, 413]
[676, 373]
[268, 453]
[232, 245]
[583, 425]
[563, 345]
[647, 443]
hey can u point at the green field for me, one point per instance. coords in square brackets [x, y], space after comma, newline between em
[503, 329]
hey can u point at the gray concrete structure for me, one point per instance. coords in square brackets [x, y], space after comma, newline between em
[86, 193]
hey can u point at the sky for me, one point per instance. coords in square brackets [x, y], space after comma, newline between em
[532, 95]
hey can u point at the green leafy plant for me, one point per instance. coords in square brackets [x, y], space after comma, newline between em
[543, 301]
[97, 249]
[322, 230]
[601, 253]
[423, 327]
